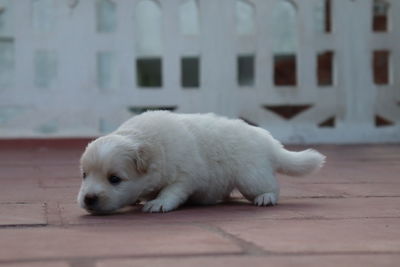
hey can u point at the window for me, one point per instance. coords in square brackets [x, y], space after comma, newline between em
[190, 70]
[325, 68]
[245, 70]
[148, 71]
[285, 70]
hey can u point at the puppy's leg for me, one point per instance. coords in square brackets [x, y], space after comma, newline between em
[168, 199]
[260, 188]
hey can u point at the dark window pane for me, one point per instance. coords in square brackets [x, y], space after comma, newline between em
[328, 123]
[381, 67]
[285, 70]
[382, 122]
[190, 72]
[328, 16]
[245, 68]
[148, 72]
[380, 16]
[325, 68]
[287, 111]
[141, 109]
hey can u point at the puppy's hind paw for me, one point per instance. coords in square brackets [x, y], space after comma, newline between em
[158, 205]
[266, 199]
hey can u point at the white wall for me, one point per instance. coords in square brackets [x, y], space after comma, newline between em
[67, 67]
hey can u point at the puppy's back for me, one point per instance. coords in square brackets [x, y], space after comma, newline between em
[214, 136]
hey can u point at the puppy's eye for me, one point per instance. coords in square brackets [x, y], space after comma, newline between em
[84, 175]
[114, 180]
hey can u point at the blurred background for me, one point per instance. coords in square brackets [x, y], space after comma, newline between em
[309, 71]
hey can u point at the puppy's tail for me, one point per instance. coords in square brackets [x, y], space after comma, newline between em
[299, 163]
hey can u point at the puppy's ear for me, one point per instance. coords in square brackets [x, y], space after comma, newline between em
[142, 159]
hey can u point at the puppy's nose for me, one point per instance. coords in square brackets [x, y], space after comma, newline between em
[91, 200]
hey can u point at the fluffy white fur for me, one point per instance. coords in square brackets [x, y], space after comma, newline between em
[168, 159]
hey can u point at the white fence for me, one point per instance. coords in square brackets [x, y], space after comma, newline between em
[307, 70]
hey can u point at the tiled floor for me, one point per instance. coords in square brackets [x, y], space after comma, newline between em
[346, 215]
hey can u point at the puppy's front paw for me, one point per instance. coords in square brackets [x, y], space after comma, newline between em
[266, 199]
[158, 205]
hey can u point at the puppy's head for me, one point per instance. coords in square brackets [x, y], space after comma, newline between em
[114, 170]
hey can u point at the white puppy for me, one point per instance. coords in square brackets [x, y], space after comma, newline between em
[168, 159]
